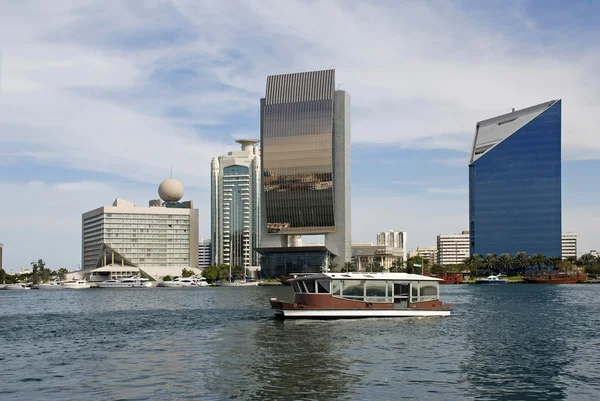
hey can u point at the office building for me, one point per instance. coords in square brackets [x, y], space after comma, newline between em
[452, 249]
[160, 239]
[425, 252]
[515, 183]
[204, 253]
[393, 239]
[305, 148]
[235, 206]
[569, 245]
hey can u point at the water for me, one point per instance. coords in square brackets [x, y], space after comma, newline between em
[512, 342]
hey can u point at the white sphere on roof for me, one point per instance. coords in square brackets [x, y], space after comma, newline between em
[170, 190]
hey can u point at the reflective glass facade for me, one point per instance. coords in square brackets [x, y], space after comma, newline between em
[298, 152]
[515, 189]
[285, 263]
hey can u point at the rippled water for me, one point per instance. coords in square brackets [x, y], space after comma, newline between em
[512, 342]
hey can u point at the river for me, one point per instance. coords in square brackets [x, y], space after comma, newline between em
[511, 342]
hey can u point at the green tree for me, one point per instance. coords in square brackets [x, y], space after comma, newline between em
[504, 261]
[586, 260]
[553, 261]
[489, 262]
[348, 267]
[62, 274]
[187, 272]
[437, 269]
[522, 261]
[538, 259]
[332, 264]
[474, 263]
[167, 278]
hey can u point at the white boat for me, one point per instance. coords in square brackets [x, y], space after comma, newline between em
[491, 280]
[184, 282]
[238, 283]
[53, 285]
[131, 282]
[362, 295]
[75, 285]
[18, 286]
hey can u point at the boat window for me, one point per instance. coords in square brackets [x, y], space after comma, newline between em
[375, 289]
[428, 291]
[323, 286]
[336, 287]
[310, 286]
[390, 288]
[415, 291]
[354, 289]
[296, 287]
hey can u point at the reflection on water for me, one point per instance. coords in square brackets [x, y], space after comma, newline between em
[507, 342]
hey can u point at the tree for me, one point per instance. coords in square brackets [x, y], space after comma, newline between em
[187, 272]
[474, 263]
[348, 267]
[522, 260]
[538, 259]
[167, 278]
[553, 261]
[489, 262]
[586, 260]
[504, 261]
[332, 264]
[62, 274]
[436, 269]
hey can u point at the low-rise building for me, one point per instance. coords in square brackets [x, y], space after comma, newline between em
[425, 252]
[453, 249]
[393, 239]
[368, 256]
[569, 245]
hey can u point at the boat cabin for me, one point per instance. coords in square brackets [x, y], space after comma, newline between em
[399, 289]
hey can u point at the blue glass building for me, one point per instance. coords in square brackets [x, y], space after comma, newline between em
[515, 183]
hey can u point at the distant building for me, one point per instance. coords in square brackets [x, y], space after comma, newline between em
[204, 253]
[452, 249]
[235, 206]
[569, 245]
[305, 148]
[515, 183]
[393, 239]
[426, 252]
[161, 239]
[367, 256]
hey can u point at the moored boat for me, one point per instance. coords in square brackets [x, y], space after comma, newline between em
[448, 278]
[491, 280]
[75, 285]
[184, 282]
[52, 285]
[554, 277]
[362, 295]
[132, 282]
[17, 286]
[238, 283]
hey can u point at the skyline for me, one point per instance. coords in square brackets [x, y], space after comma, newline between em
[91, 97]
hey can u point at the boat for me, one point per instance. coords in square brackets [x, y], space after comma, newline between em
[184, 282]
[554, 277]
[131, 282]
[52, 285]
[75, 285]
[238, 283]
[362, 295]
[448, 278]
[491, 280]
[17, 286]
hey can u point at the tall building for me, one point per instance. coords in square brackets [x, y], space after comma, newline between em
[452, 249]
[161, 239]
[305, 142]
[235, 206]
[569, 245]
[393, 239]
[515, 183]
[204, 253]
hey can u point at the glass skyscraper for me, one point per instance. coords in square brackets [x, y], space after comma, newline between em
[305, 149]
[515, 183]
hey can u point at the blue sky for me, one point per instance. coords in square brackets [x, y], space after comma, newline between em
[99, 99]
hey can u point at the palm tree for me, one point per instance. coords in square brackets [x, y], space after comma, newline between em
[332, 264]
[504, 261]
[474, 262]
[538, 259]
[521, 260]
[348, 267]
[586, 260]
[489, 262]
[553, 261]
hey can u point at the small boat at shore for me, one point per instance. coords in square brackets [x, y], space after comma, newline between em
[362, 295]
[491, 280]
[52, 285]
[17, 287]
[184, 282]
[554, 277]
[75, 285]
[131, 282]
[238, 283]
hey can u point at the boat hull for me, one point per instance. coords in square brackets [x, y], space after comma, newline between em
[239, 284]
[355, 313]
[573, 280]
[494, 282]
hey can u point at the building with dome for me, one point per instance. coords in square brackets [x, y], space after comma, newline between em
[160, 239]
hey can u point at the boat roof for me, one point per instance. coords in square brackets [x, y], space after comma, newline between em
[368, 276]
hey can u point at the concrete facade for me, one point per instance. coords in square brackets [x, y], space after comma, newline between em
[426, 252]
[569, 245]
[204, 253]
[394, 239]
[452, 249]
[368, 255]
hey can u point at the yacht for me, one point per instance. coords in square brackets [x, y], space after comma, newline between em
[238, 283]
[53, 285]
[184, 282]
[491, 280]
[75, 285]
[17, 286]
[362, 295]
[131, 282]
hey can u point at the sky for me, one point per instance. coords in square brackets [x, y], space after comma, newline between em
[99, 99]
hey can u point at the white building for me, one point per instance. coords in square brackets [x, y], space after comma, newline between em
[453, 249]
[159, 240]
[569, 245]
[366, 256]
[235, 206]
[204, 253]
[393, 239]
[426, 252]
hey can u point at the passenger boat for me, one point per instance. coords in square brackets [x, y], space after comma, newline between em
[75, 285]
[491, 280]
[362, 295]
[554, 277]
[131, 282]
